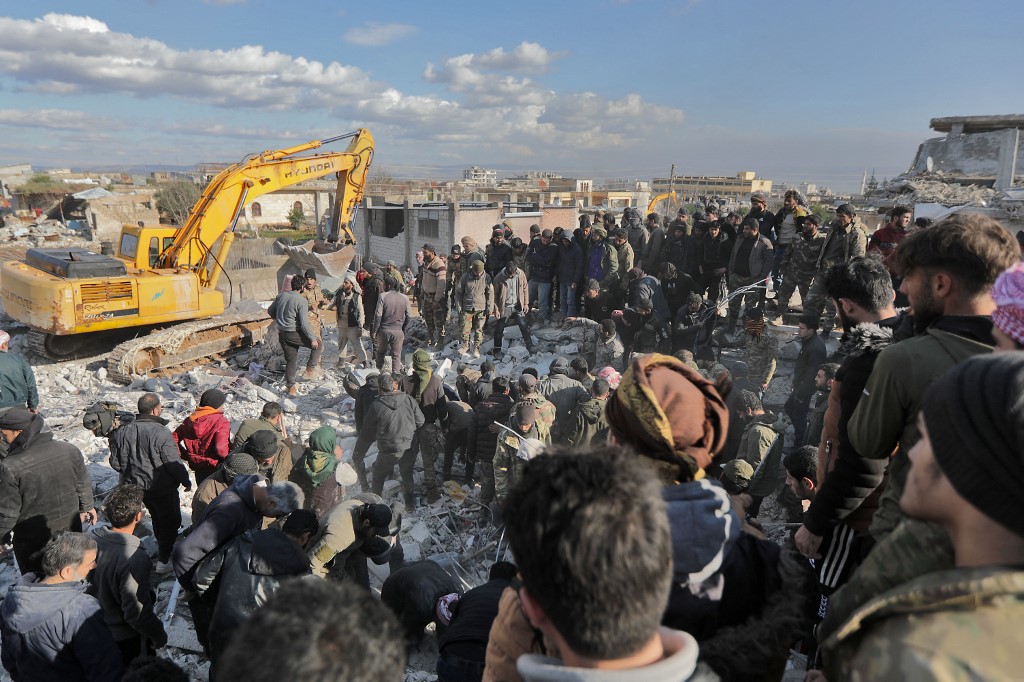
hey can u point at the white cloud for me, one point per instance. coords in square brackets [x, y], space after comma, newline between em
[55, 119]
[375, 34]
[61, 53]
[491, 102]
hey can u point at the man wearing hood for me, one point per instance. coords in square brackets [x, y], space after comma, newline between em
[589, 425]
[640, 285]
[426, 388]
[392, 421]
[601, 262]
[242, 575]
[204, 438]
[351, 322]
[565, 393]
[52, 629]
[143, 452]
[636, 233]
[44, 487]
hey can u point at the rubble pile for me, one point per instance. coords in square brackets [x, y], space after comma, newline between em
[456, 532]
[935, 187]
[42, 233]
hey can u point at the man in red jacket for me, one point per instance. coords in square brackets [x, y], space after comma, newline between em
[204, 436]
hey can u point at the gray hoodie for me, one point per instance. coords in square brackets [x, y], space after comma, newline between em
[291, 313]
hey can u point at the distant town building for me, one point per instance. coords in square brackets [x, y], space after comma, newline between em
[690, 187]
[481, 177]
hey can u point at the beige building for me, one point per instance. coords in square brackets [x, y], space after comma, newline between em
[689, 187]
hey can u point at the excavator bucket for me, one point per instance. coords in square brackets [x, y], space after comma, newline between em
[320, 256]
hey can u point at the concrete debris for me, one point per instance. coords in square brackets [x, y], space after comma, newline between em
[935, 187]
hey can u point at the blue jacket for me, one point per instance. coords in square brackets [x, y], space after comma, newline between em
[56, 632]
[570, 263]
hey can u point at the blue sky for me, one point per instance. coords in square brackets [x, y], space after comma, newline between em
[796, 90]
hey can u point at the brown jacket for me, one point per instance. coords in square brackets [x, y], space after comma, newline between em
[500, 284]
[511, 637]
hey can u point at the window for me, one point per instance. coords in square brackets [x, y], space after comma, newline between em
[129, 244]
[297, 206]
[428, 227]
[256, 210]
[387, 223]
[154, 251]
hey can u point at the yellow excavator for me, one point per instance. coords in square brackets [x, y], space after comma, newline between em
[161, 277]
[661, 197]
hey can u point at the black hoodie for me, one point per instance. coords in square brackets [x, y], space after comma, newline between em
[243, 575]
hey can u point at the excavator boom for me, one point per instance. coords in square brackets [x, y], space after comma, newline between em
[216, 214]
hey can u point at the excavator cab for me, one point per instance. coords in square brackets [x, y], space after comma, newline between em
[141, 247]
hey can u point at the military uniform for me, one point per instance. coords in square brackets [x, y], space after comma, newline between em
[760, 356]
[798, 266]
[957, 624]
[315, 297]
[841, 244]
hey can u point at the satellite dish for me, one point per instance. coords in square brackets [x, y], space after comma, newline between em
[929, 164]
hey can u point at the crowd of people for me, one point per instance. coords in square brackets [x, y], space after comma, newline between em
[628, 480]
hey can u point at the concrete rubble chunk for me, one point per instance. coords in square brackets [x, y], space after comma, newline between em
[419, 532]
[289, 406]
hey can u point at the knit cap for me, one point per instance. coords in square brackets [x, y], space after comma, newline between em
[975, 419]
[1008, 294]
[213, 398]
[240, 464]
[262, 445]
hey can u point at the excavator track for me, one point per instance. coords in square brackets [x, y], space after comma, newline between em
[184, 343]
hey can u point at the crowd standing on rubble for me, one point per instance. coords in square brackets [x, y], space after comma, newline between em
[628, 478]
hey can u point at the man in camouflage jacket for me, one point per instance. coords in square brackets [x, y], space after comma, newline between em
[799, 263]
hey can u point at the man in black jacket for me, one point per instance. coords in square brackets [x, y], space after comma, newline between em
[143, 452]
[44, 488]
[120, 581]
[484, 438]
[812, 355]
[250, 569]
[412, 593]
[541, 261]
[463, 644]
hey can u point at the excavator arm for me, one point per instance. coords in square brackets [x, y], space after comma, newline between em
[667, 195]
[215, 216]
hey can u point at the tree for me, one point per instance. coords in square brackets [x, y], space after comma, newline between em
[296, 217]
[176, 199]
[821, 211]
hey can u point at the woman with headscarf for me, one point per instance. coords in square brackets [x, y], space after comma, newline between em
[745, 600]
[316, 472]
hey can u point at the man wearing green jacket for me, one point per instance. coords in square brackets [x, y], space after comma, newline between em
[17, 383]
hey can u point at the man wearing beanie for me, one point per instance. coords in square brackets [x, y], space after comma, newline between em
[44, 487]
[966, 477]
[316, 299]
[144, 453]
[204, 437]
[237, 464]
[17, 382]
[474, 302]
[1008, 317]
[273, 457]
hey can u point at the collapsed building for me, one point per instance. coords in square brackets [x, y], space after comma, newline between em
[974, 167]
